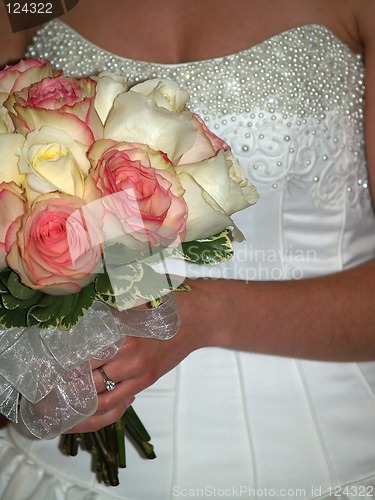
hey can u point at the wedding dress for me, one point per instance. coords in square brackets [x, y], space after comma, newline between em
[233, 424]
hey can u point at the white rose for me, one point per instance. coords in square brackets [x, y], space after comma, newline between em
[52, 161]
[108, 87]
[137, 118]
[214, 190]
[165, 93]
[10, 145]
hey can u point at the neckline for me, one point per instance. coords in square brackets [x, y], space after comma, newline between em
[238, 53]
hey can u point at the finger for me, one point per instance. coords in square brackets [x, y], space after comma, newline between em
[109, 400]
[103, 380]
[98, 421]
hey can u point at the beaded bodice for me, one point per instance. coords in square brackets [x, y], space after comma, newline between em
[292, 109]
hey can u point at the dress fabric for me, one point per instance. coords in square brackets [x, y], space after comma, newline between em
[234, 424]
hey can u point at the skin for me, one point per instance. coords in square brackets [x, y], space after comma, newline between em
[335, 312]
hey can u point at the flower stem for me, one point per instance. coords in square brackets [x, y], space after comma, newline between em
[107, 446]
[120, 429]
[109, 460]
[139, 434]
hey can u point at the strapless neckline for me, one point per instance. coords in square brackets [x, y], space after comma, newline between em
[242, 52]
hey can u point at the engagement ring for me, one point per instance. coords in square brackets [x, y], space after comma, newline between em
[109, 384]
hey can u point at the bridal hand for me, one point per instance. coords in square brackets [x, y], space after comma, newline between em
[142, 361]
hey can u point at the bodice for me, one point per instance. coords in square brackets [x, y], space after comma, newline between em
[292, 109]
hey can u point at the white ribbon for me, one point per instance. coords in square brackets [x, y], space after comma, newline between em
[51, 369]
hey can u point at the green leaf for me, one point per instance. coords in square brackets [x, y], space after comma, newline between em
[209, 251]
[11, 302]
[17, 289]
[13, 318]
[23, 307]
[103, 285]
[46, 311]
[4, 274]
[77, 304]
[152, 285]
[3, 287]
[118, 282]
[124, 277]
[62, 311]
[182, 288]
[148, 287]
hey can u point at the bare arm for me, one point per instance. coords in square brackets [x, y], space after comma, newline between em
[326, 318]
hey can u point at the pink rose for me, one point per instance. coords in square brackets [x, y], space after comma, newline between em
[13, 205]
[55, 93]
[140, 191]
[205, 146]
[64, 103]
[24, 73]
[56, 246]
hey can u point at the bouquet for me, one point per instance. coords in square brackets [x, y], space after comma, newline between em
[101, 187]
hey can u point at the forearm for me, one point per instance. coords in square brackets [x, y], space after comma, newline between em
[326, 318]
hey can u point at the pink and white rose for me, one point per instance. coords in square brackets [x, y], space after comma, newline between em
[13, 205]
[26, 72]
[53, 247]
[141, 192]
[65, 103]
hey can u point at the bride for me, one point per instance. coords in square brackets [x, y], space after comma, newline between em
[268, 387]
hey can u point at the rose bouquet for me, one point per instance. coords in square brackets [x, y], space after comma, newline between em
[101, 186]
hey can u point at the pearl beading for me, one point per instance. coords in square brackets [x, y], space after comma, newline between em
[292, 106]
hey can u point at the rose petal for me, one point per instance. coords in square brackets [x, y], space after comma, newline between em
[134, 118]
[166, 93]
[205, 216]
[108, 87]
[10, 144]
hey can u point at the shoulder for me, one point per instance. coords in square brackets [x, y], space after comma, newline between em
[365, 20]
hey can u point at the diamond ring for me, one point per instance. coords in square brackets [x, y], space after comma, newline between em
[109, 384]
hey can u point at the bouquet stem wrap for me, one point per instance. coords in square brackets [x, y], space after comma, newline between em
[51, 368]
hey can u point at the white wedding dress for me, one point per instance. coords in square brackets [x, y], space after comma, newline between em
[233, 424]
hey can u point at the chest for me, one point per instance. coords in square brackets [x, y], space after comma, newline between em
[174, 31]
